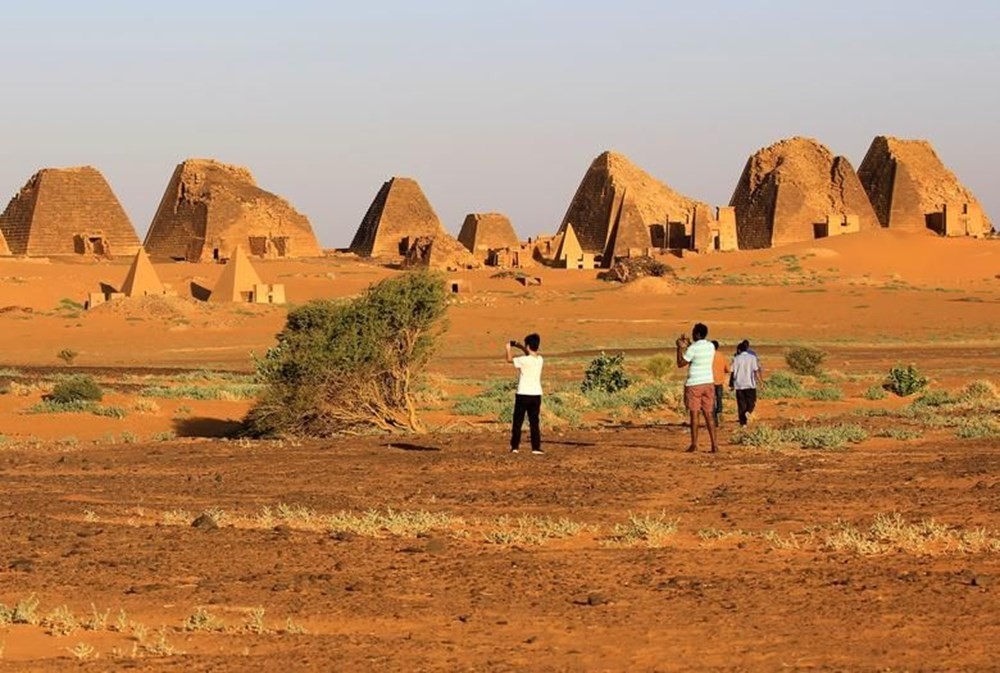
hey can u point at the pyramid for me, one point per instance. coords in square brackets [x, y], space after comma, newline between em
[569, 245]
[909, 186]
[482, 232]
[4, 250]
[439, 252]
[210, 207]
[788, 191]
[142, 279]
[398, 216]
[67, 211]
[238, 280]
[627, 230]
[594, 208]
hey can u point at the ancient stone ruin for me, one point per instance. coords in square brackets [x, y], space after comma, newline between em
[620, 210]
[438, 252]
[485, 232]
[210, 207]
[140, 281]
[239, 283]
[789, 190]
[4, 249]
[911, 189]
[399, 215]
[569, 254]
[67, 211]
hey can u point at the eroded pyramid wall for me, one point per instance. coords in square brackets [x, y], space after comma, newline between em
[64, 211]
[209, 208]
[482, 232]
[788, 190]
[400, 211]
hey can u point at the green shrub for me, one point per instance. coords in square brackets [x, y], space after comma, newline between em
[904, 381]
[828, 394]
[978, 428]
[759, 436]
[605, 373]
[348, 366]
[935, 398]
[659, 366]
[825, 436]
[781, 385]
[80, 388]
[805, 361]
[876, 393]
[110, 412]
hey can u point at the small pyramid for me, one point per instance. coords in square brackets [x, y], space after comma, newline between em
[400, 212]
[4, 250]
[569, 247]
[236, 284]
[627, 230]
[142, 279]
[482, 232]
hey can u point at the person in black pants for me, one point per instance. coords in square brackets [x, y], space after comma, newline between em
[528, 400]
[746, 378]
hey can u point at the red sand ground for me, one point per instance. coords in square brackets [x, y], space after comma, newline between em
[89, 522]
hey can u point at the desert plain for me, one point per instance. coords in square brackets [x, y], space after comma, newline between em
[847, 529]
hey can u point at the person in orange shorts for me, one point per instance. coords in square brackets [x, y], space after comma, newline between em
[699, 389]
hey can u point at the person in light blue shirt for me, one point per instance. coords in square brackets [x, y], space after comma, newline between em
[699, 389]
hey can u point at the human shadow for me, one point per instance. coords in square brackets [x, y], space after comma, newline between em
[207, 427]
[405, 446]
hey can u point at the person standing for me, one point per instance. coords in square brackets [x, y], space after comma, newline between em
[528, 400]
[746, 377]
[720, 375]
[699, 389]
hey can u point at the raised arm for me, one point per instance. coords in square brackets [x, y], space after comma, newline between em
[682, 345]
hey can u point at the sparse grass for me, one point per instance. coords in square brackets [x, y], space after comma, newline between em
[129, 437]
[60, 622]
[900, 434]
[824, 437]
[255, 621]
[978, 428]
[876, 393]
[220, 391]
[827, 394]
[52, 407]
[25, 611]
[805, 361]
[781, 385]
[650, 530]
[532, 530]
[202, 620]
[659, 366]
[81, 388]
[143, 406]
[165, 436]
[81, 651]
[110, 412]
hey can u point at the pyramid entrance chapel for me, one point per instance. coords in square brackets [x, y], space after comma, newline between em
[911, 189]
[210, 207]
[67, 211]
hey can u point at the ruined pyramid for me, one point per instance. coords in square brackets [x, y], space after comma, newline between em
[789, 190]
[628, 230]
[599, 202]
[482, 232]
[398, 216]
[238, 280]
[210, 207]
[142, 278]
[909, 186]
[67, 211]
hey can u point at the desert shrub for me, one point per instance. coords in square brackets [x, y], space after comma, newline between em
[80, 388]
[659, 366]
[605, 373]
[978, 428]
[876, 393]
[67, 355]
[827, 394]
[935, 398]
[825, 436]
[805, 361]
[758, 436]
[904, 381]
[348, 366]
[781, 385]
[979, 391]
[110, 412]
[495, 401]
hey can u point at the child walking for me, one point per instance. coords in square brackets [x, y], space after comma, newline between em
[528, 400]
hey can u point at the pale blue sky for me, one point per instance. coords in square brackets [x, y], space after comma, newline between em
[491, 107]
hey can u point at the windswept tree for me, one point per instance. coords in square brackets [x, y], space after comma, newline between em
[342, 367]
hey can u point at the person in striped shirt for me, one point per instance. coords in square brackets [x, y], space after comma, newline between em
[699, 389]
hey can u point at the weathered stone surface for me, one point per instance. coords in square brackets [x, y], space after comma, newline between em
[209, 208]
[482, 232]
[613, 186]
[399, 214]
[4, 249]
[909, 186]
[788, 190]
[439, 252]
[67, 211]
[142, 278]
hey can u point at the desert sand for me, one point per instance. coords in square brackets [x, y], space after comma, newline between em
[615, 551]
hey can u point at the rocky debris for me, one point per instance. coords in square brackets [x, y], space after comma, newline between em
[439, 252]
[205, 521]
[592, 599]
[629, 269]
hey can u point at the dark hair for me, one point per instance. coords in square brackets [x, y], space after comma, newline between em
[532, 342]
[700, 331]
[743, 347]
[716, 344]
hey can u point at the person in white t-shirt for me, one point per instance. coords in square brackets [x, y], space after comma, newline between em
[699, 389]
[528, 400]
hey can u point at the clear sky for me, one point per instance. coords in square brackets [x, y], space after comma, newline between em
[491, 106]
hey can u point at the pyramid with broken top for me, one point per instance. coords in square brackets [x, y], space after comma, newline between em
[238, 281]
[399, 215]
[482, 232]
[142, 278]
[67, 211]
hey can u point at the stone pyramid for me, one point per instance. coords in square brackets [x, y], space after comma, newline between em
[909, 186]
[627, 230]
[482, 232]
[210, 207]
[238, 279]
[593, 210]
[400, 213]
[4, 250]
[142, 279]
[67, 211]
[789, 189]
[569, 245]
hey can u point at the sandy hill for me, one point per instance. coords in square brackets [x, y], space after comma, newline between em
[789, 188]
[210, 207]
[908, 184]
[611, 184]
[67, 211]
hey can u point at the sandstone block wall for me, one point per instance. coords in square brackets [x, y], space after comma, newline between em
[787, 190]
[482, 232]
[209, 208]
[67, 211]
[400, 211]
